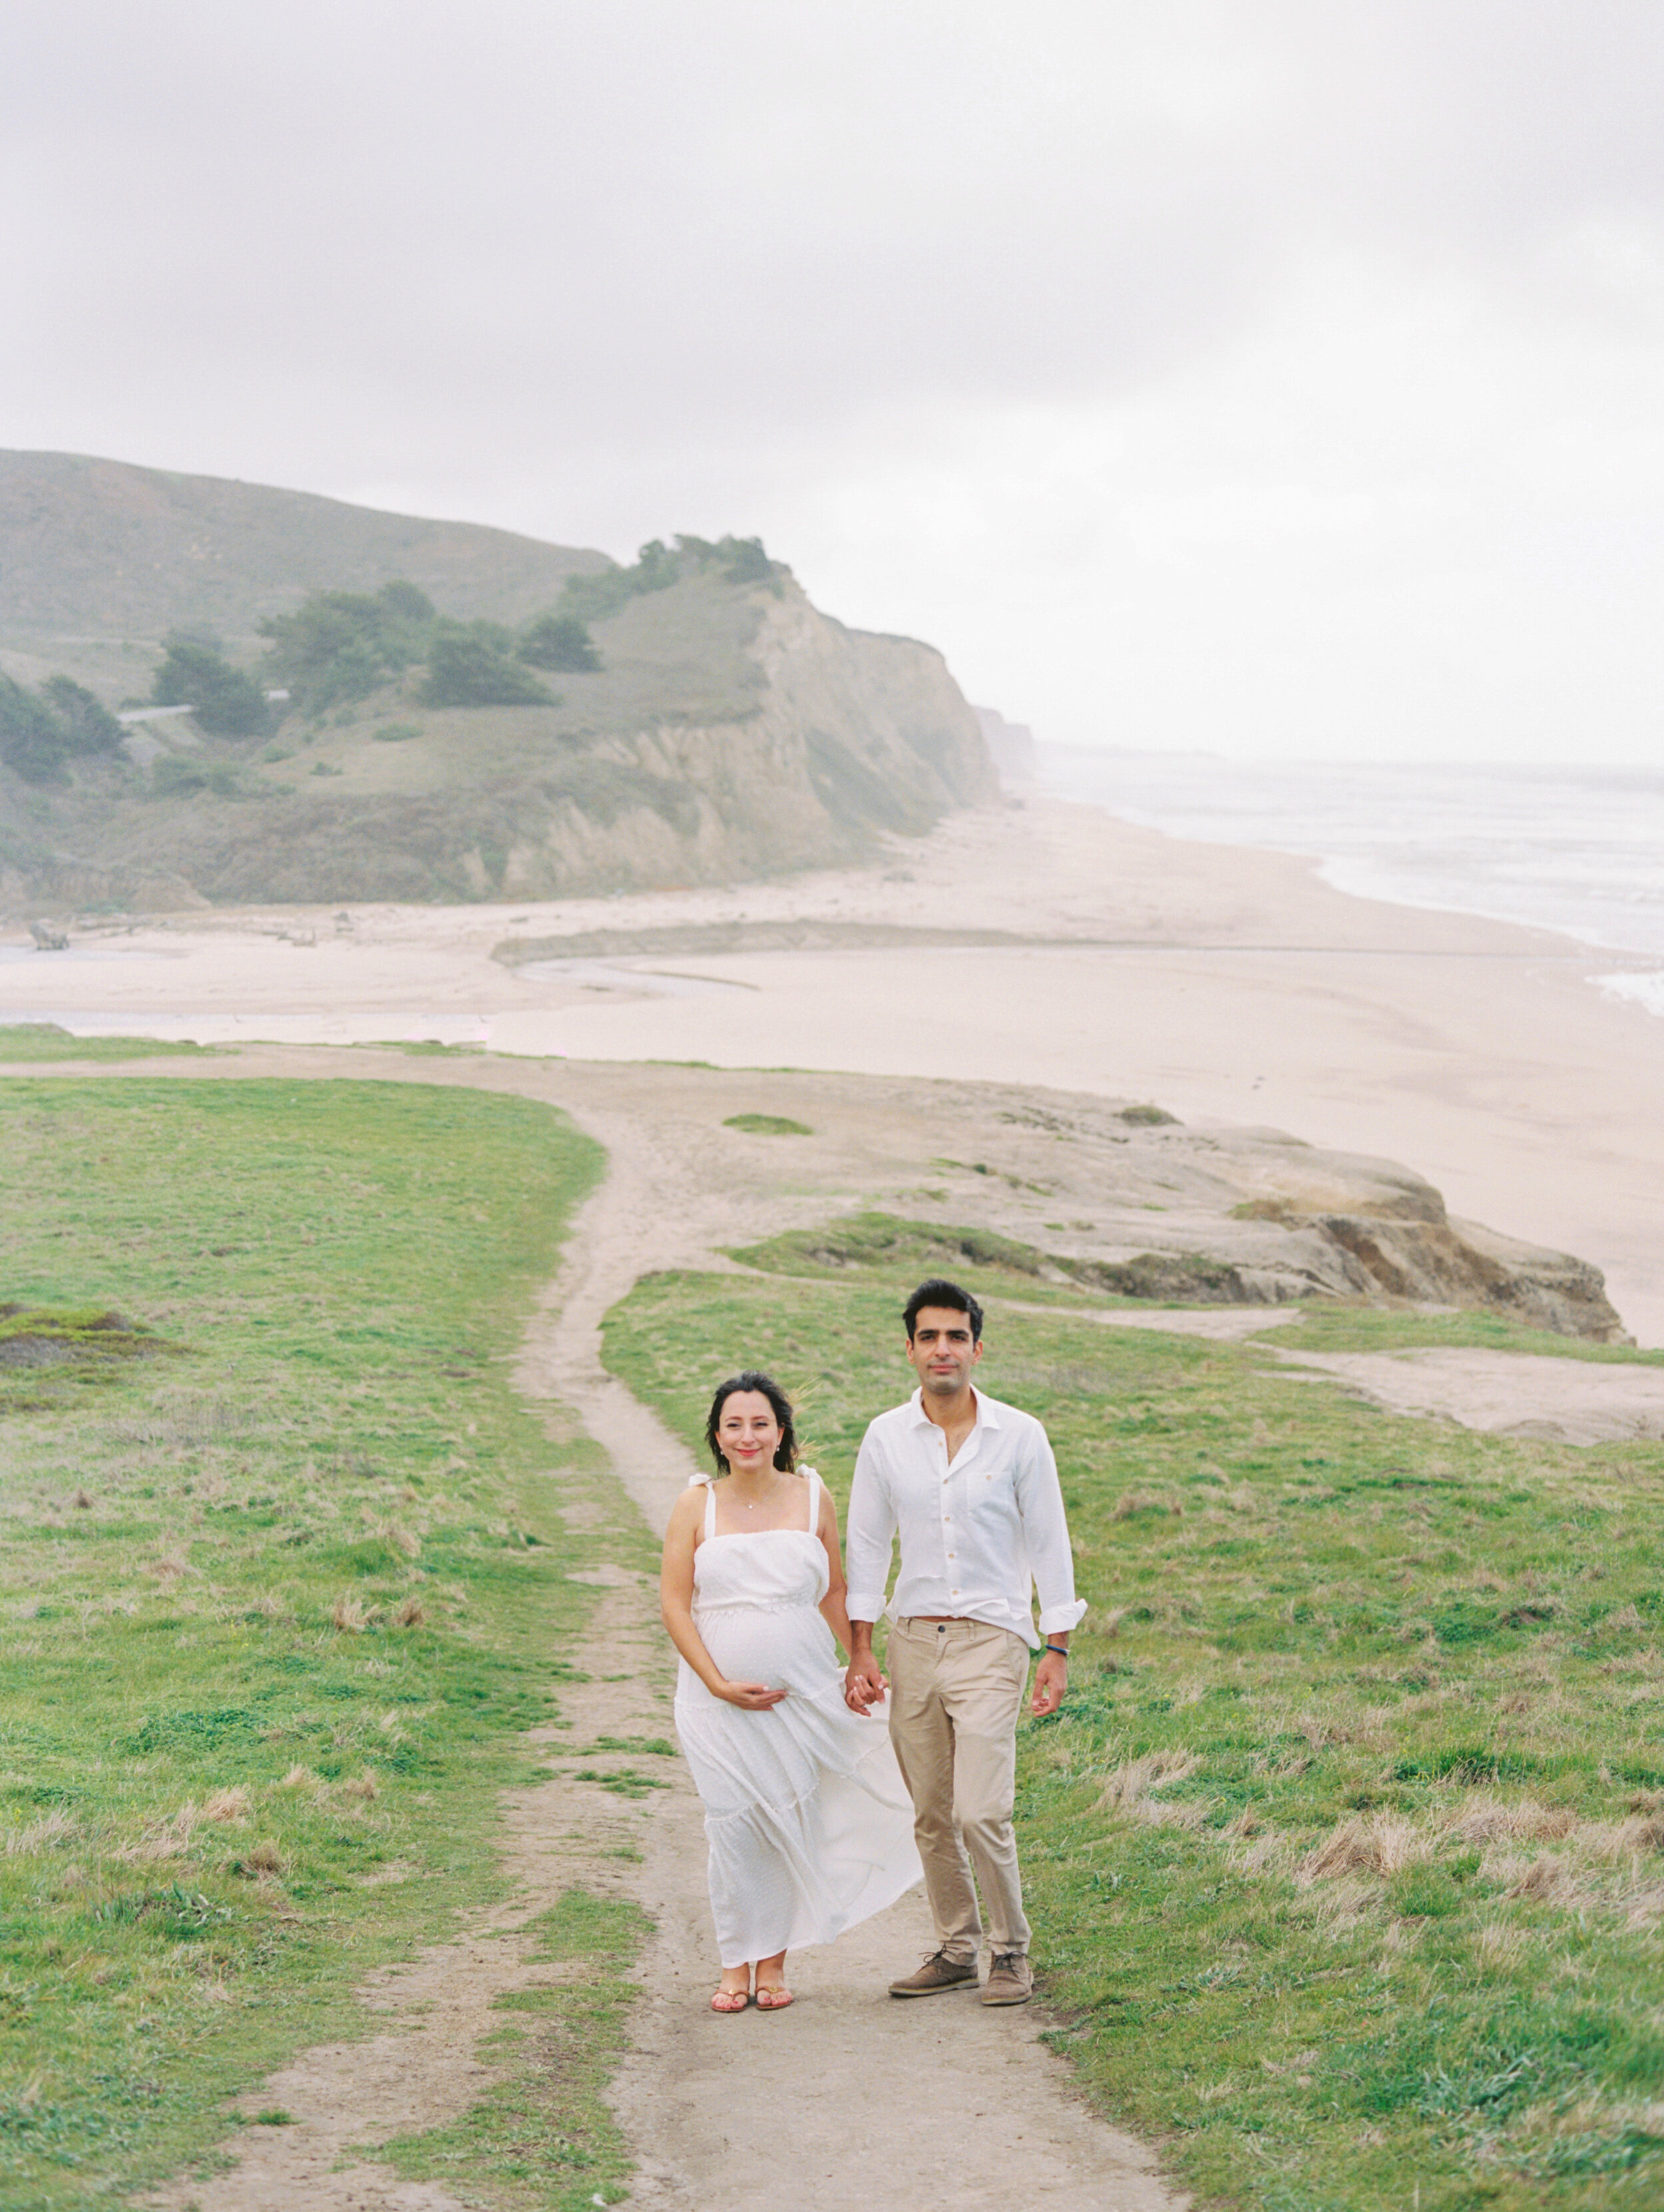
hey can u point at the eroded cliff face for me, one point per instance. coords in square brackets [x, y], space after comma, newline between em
[851, 736]
[731, 732]
[1334, 1225]
[886, 736]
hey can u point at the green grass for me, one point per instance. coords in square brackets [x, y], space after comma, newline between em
[877, 1240]
[873, 1240]
[1326, 1328]
[1346, 1852]
[279, 1599]
[23, 1041]
[544, 2140]
[767, 1125]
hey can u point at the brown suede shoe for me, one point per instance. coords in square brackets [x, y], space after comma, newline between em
[937, 1972]
[1011, 1979]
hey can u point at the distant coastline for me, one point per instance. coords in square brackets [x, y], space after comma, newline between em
[1579, 851]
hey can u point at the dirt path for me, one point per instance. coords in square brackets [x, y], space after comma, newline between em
[956, 2108]
[1511, 1393]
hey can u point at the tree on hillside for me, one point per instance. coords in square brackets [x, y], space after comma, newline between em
[338, 647]
[596, 593]
[194, 674]
[558, 641]
[742, 560]
[656, 566]
[62, 721]
[745, 561]
[472, 665]
[31, 741]
[407, 602]
[87, 725]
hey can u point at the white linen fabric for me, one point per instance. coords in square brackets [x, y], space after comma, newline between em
[809, 1822]
[981, 1537]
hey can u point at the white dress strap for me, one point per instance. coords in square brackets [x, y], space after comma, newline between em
[814, 1499]
[710, 1508]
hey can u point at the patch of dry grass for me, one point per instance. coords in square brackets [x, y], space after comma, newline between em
[1129, 1793]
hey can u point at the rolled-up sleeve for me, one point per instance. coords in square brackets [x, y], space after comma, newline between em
[1046, 1538]
[869, 1534]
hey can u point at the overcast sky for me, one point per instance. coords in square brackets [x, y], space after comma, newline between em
[1259, 378]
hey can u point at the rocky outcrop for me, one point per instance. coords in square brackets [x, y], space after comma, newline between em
[1362, 1258]
[1333, 1224]
[1118, 1198]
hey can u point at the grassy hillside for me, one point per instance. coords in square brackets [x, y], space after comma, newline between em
[428, 742]
[1346, 1852]
[107, 558]
[284, 1582]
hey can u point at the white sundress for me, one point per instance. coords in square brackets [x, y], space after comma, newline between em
[809, 1822]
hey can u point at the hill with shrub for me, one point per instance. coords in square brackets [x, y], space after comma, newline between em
[219, 691]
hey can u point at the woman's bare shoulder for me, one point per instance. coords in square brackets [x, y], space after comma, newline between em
[689, 1507]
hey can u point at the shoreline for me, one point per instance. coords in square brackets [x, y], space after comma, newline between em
[1563, 848]
[1229, 985]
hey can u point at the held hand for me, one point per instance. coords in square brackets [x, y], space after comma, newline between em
[750, 1697]
[863, 1684]
[1051, 1680]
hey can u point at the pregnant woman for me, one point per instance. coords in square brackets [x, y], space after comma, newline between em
[809, 1822]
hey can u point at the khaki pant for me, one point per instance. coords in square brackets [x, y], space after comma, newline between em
[955, 1690]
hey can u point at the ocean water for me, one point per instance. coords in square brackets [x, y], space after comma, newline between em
[1577, 850]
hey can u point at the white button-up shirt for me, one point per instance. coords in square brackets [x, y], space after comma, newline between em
[979, 1537]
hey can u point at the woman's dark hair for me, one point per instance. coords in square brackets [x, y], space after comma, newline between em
[785, 1452]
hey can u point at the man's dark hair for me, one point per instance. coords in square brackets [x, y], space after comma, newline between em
[785, 1452]
[938, 1292]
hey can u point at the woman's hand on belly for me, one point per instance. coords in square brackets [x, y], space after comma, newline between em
[750, 1697]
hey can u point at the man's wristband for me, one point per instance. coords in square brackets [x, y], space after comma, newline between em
[1057, 1650]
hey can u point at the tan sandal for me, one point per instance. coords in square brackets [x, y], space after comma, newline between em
[730, 2000]
[773, 1996]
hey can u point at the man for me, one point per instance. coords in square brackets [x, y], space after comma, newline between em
[971, 1487]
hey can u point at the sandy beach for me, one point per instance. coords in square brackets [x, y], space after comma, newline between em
[1228, 986]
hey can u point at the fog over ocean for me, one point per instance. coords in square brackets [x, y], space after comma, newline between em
[1577, 850]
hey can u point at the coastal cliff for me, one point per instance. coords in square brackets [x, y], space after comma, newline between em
[708, 721]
